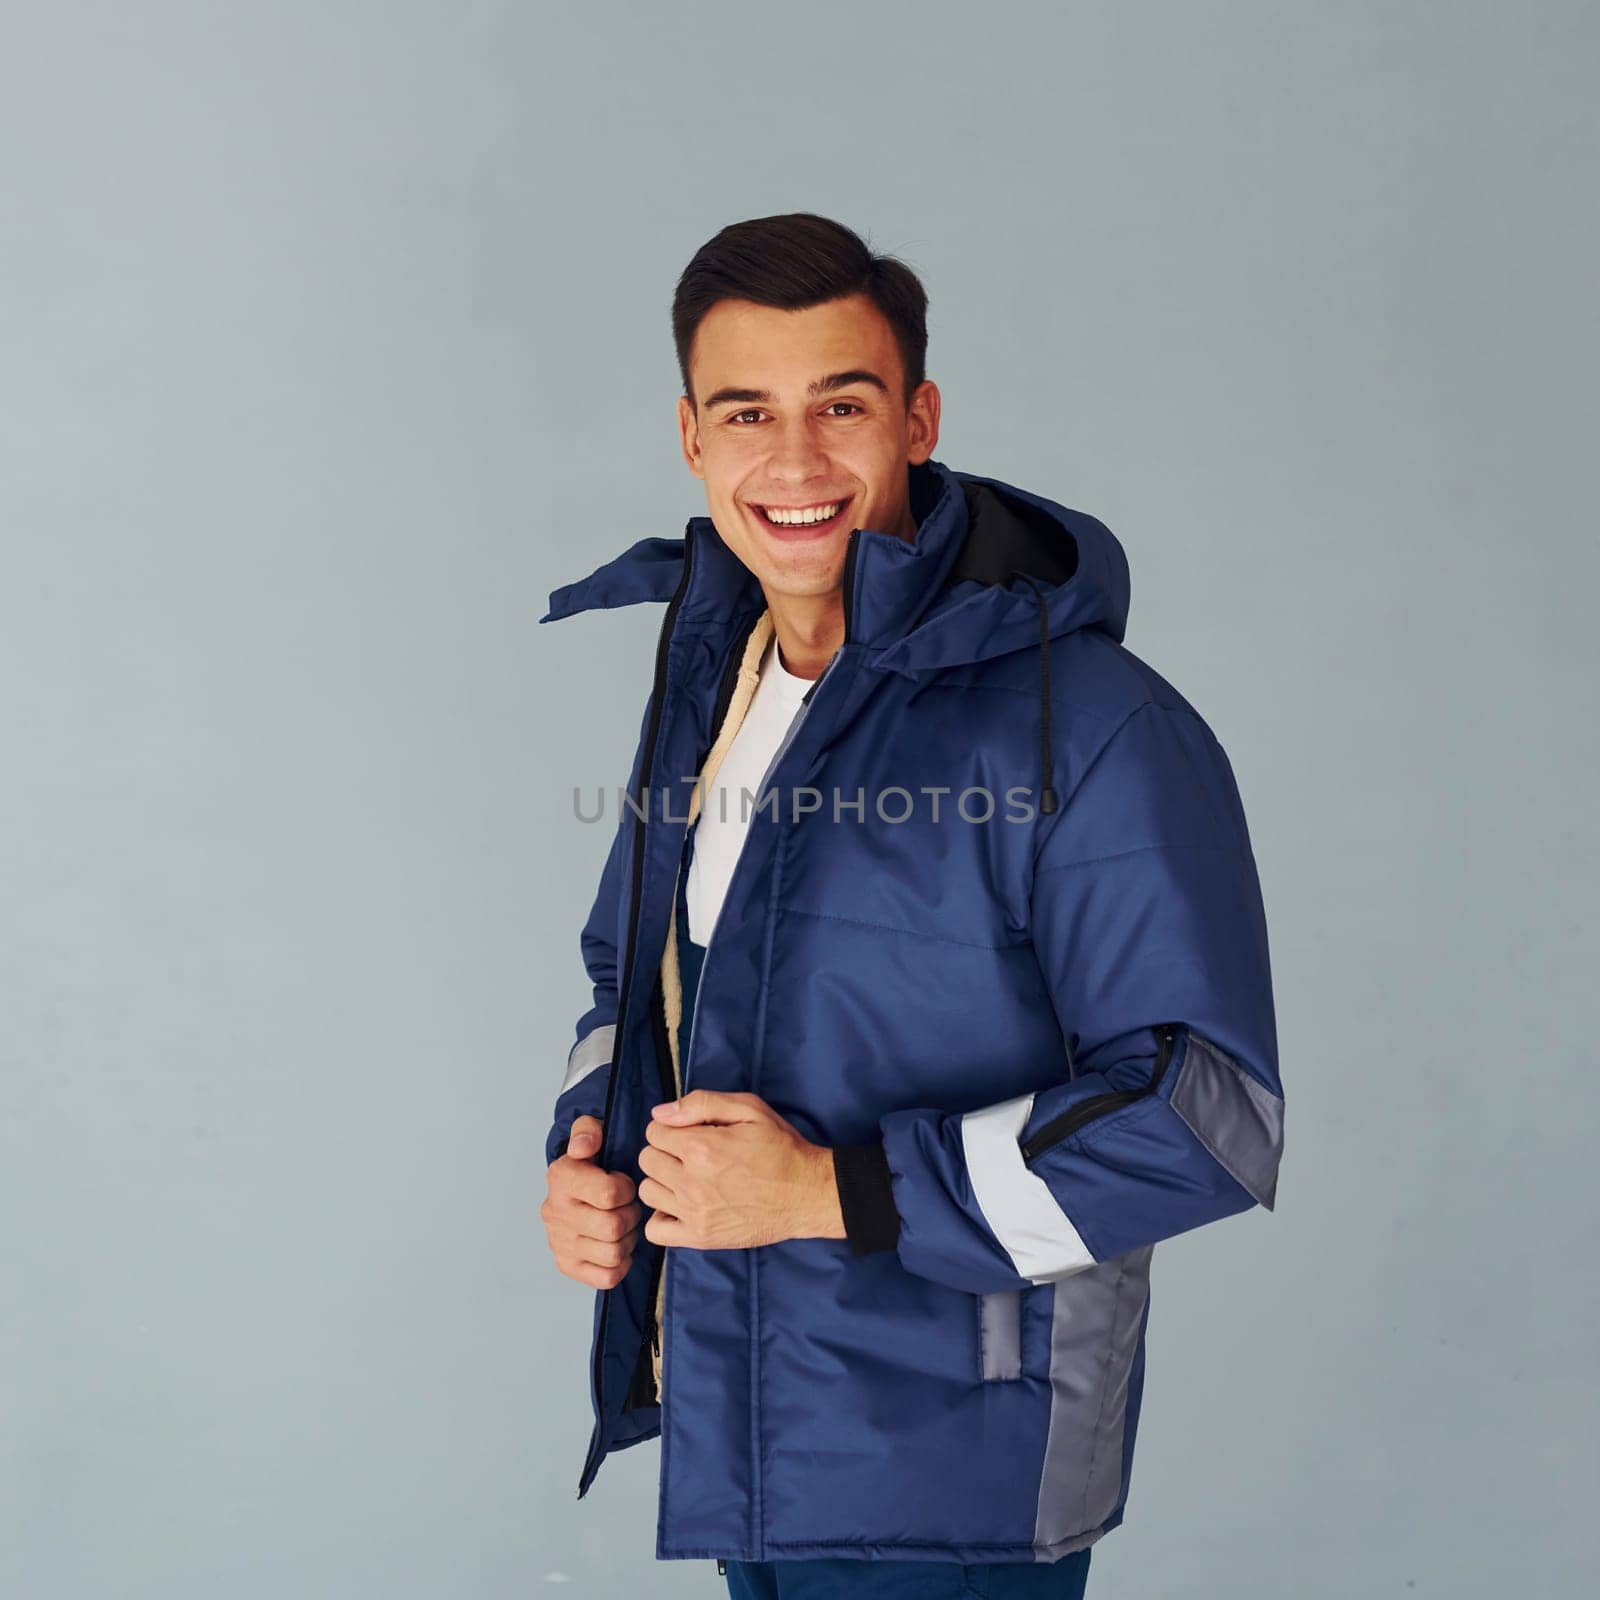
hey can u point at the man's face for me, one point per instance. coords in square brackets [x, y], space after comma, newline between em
[800, 413]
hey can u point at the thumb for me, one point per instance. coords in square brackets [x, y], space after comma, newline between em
[584, 1139]
[710, 1105]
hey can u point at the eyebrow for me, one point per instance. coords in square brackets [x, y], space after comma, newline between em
[834, 380]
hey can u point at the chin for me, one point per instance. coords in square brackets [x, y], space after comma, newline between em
[803, 577]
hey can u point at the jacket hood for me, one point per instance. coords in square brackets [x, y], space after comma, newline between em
[1011, 566]
[992, 569]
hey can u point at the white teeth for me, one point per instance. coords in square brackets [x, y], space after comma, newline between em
[804, 515]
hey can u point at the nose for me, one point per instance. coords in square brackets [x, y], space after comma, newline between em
[797, 453]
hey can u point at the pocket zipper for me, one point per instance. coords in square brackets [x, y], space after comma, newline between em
[1099, 1105]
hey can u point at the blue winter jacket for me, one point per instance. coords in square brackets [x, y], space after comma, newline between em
[1038, 1043]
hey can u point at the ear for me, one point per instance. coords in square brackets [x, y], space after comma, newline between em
[922, 422]
[689, 436]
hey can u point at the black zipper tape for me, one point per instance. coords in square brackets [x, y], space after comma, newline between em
[652, 1333]
[1100, 1105]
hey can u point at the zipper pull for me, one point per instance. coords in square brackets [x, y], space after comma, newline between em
[722, 1567]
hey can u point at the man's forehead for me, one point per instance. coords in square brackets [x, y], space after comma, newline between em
[741, 344]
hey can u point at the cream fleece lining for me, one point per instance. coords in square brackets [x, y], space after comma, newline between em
[671, 977]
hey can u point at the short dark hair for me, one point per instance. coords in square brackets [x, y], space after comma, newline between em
[794, 261]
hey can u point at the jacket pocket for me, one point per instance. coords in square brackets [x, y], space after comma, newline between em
[1101, 1105]
[1000, 1335]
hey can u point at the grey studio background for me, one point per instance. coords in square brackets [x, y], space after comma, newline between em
[333, 336]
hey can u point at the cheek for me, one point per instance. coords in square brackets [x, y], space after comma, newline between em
[728, 465]
[872, 458]
[731, 445]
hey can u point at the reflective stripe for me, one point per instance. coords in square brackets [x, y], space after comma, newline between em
[1017, 1203]
[591, 1051]
[1238, 1119]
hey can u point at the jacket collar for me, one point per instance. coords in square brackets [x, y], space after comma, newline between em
[944, 598]
[941, 599]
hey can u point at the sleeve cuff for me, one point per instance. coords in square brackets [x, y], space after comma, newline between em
[866, 1197]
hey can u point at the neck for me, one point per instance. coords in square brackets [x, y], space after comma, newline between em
[810, 628]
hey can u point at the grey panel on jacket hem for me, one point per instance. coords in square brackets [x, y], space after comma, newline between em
[1094, 1335]
[1000, 1330]
[591, 1051]
[1239, 1120]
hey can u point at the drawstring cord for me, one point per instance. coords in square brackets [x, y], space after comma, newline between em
[1047, 794]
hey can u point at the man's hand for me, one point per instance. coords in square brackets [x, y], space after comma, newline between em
[591, 1216]
[723, 1171]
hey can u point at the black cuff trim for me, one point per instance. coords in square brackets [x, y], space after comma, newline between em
[866, 1197]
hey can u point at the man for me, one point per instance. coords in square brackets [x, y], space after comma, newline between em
[931, 983]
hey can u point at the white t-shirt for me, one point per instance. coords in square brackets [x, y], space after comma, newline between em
[725, 812]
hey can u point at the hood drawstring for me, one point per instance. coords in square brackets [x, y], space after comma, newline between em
[1047, 794]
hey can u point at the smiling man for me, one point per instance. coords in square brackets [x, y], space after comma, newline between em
[818, 444]
[930, 978]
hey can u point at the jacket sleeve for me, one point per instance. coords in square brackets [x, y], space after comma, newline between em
[583, 1089]
[1147, 922]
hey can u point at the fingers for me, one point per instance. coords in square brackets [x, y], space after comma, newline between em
[592, 1217]
[592, 1245]
[589, 1224]
[595, 1277]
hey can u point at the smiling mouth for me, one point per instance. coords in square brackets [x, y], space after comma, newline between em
[802, 522]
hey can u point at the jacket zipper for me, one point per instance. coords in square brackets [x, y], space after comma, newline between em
[642, 811]
[783, 747]
[658, 1021]
[1099, 1105]
[652, 1330]
[847, 582]
[730, 671]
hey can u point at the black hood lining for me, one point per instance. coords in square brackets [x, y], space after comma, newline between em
[1008, 539]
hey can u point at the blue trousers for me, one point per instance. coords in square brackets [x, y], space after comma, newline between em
[909, 1580]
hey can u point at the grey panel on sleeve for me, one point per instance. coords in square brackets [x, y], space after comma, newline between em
[1239, 1120]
